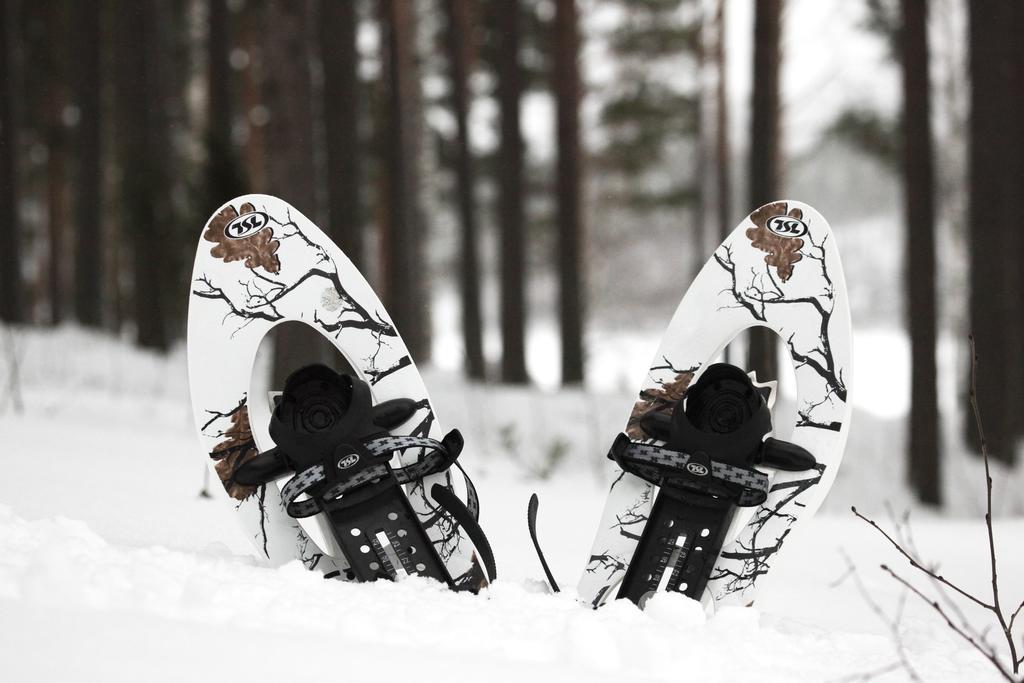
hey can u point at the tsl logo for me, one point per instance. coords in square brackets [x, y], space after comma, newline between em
[246, 225]
[348, 461]
[696, 469]
[786, 226]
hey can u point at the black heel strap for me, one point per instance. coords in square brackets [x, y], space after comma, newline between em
[531, 521]
[454, 506]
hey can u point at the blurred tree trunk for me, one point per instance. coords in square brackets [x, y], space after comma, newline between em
[701, 156]
[142, 147]
[250, 25]
[919, 206]
[57, 39]
[89, 191]
[223, 169]
[764, 154]
[511, 197]
[462, 56]
[404, 234]
[11, 292]
[173, 55]
[1014, 189]
[994, 228]
[114, 231]
[570, 216]
[723, 150]
[291, 171]
[339, 23]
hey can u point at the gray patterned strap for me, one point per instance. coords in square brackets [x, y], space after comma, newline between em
[437, 460]
[656, 463]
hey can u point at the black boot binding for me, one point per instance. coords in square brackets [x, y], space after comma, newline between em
[329, 433]
[713, 439]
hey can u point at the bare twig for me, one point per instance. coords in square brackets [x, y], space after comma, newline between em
[994, 606]
[1016, 613]
[892, 623]
[987, 652]
[917, 565]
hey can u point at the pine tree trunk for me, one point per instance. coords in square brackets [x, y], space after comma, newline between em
[339, 23]
[287, 91]
[764, 153]
[89, 271]
[223, 169]
[142, 160]
[404, 239]
[291, 172]
[250, 28]
[570, 216]
[723, 150]
[511, 197]
[994, 229]
[57, 37]
[218, 72]
[11, 291]
[701, 156]
[461, 56]
[919, 191]
[1015, 191]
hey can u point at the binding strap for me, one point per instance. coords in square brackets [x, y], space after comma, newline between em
[462, 515]
[696, 472]
[440, 457]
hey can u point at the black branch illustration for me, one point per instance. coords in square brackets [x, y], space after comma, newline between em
[753, 555]
[631, 523]
[262, 295]
[605, 562]
[764, 292]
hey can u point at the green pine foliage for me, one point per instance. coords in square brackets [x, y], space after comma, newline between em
[869, 131]
[651, 112]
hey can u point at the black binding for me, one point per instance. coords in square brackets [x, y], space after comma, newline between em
[338, 446]
[706, 469]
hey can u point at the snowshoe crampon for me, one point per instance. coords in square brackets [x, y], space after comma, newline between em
[261, 263]
[704, 496]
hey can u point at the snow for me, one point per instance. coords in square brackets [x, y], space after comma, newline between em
[113, 569]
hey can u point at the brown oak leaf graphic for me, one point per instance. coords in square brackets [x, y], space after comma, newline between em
[238, 447]
[661, 399]
[259, 250]
[782, 252]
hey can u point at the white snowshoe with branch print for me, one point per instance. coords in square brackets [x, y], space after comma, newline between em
[362, 477]
[704, 497]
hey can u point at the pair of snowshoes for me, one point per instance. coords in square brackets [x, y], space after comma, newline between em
[354, 476]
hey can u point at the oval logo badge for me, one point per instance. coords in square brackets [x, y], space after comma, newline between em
[246, 225]
[695, 468]
[348, 461]
[786, 226]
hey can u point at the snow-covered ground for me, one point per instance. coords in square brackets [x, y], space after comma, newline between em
[113, 569]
